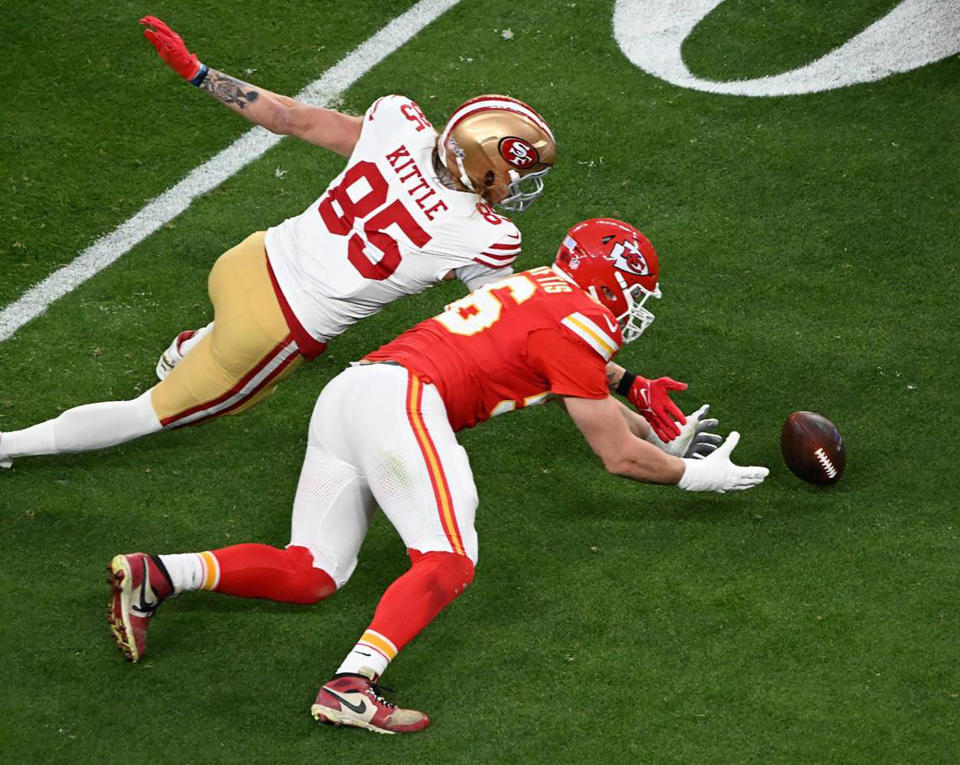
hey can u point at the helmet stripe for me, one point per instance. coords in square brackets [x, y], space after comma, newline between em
[496, 101]
[483, 103]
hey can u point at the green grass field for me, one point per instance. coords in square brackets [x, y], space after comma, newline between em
[808, 255]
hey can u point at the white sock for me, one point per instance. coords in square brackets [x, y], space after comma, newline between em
[84, 428]
[192, 571]
[37, 439]
[372, 652]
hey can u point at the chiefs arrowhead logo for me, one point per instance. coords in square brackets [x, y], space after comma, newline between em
[627, 257]
[518, 153]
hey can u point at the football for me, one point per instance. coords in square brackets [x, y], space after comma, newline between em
[813, 448]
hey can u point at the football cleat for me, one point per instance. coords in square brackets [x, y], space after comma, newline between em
[355, 700]
[172, 356]
[138, 583]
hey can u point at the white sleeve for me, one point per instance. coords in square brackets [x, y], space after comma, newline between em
[476, 275]
[504, 249]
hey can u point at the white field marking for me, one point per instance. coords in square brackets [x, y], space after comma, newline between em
[915, 33]
[248, 147]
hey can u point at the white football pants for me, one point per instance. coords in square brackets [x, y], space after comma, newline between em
[379, 436]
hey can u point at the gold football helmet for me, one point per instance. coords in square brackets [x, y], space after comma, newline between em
[499, 148]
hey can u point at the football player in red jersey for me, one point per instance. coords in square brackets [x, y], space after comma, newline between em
[383, 434]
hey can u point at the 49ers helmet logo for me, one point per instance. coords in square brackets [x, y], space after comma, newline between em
[518, 153]
[627, 257]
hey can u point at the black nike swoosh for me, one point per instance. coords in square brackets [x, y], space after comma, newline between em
[362, 653]
[144, 606]
[358, 708]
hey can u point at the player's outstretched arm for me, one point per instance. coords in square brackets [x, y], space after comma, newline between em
[283, 115]
[279, 114]
[624, 453]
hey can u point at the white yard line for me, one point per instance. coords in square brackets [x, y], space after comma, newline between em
[913, 34]
[250, 146]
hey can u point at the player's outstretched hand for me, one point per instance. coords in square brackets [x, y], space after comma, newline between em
[651, 398]
[171, 48]
[696, 439]
[716, 472]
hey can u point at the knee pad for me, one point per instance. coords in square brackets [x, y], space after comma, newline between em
[445, 574]
[307, 583]
[338, 566]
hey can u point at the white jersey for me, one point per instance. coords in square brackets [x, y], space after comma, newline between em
[385, 227]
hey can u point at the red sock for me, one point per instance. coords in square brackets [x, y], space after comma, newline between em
[413, 601]
[261, 571]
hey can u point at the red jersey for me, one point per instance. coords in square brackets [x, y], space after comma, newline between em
[511, 344]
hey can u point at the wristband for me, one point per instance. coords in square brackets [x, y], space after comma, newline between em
[626, 383]
[200, 76]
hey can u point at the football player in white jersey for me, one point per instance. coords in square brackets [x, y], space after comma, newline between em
[411, 208]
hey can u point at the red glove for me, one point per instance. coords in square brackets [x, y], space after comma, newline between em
[172, 50]
[652, 399]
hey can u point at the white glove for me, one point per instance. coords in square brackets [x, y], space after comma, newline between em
[695, 440]
[717, 473]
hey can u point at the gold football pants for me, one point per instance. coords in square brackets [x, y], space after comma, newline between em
[248, 351]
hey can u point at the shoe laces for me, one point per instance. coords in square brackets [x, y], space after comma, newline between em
[376, 690]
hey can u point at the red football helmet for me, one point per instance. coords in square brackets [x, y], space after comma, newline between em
[617, 265]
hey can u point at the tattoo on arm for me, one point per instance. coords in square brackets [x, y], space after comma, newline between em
[231, 91]
[614, 375]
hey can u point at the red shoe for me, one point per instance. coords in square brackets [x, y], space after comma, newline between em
[172, 356]
[355, 700]
[138, 583]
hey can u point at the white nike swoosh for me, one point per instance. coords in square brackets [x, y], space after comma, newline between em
[612, 325]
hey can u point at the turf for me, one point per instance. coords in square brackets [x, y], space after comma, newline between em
[808, 262]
